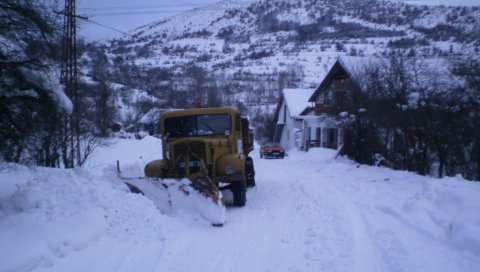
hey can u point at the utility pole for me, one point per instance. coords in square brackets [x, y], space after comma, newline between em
[69, 77]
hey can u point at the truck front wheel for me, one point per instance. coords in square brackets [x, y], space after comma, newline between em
[239, 190]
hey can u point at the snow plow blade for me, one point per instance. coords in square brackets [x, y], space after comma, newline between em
[171, 195]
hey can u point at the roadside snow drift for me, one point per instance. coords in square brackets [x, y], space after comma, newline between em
[56, 213]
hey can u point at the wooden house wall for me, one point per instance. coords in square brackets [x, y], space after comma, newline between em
[342, 97]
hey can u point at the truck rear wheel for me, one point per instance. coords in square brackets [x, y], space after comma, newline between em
[239, 190]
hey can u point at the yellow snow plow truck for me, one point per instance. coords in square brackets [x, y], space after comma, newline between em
[210, 148]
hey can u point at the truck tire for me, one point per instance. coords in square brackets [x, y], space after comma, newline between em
[249, 172]
[239, 190]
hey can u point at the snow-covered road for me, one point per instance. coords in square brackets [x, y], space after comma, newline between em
[308, 212]
[338, 216]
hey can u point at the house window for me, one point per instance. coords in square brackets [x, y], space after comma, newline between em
[328, 98]
[320, 99]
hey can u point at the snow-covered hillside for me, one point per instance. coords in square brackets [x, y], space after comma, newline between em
[259, 37]
[248, 51]
[308, 212]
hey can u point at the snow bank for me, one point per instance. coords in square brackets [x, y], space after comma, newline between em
[37, 242]
[456, 212]
[132, 155]
[12, 176]
[54, 213]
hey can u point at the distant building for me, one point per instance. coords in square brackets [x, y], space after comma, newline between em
[293, 105]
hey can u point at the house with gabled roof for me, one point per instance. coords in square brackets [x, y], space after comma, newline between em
[293, 105]
[332, 100]
[308, 118]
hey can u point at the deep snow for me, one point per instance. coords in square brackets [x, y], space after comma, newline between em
[308, 212]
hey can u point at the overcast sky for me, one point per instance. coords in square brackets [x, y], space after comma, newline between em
[125, 15]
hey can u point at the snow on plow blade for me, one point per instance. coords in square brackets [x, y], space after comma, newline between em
[171, 195]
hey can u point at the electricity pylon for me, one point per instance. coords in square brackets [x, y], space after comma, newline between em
[69, 77]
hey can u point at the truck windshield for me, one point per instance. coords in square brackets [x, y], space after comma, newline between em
[198, 125]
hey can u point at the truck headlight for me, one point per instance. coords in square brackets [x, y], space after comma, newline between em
[229, 169]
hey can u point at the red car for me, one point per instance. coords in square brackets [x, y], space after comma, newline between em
[272, 150]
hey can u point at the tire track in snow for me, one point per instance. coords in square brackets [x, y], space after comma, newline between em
[366, 257]
[327, 230]
[275, 217]
[338, 225]
[370, 198]
[327, 243]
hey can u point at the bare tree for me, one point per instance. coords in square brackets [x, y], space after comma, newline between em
[105, 108]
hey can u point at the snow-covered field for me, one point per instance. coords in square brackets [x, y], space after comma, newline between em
[308, 212]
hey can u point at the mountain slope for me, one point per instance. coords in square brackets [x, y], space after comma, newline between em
[245, 52]
[282, 27]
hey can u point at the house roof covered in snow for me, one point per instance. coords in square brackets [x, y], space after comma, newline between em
[344, 65]
[297, 100]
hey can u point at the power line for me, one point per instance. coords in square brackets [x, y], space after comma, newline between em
[133, 12]
[180, 6]
[70, 15]
[115, 13]
[138, 7]
[85, 18]
[111, 28]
